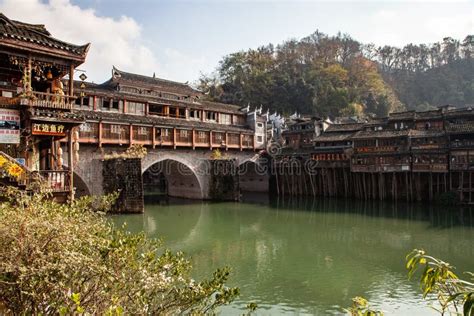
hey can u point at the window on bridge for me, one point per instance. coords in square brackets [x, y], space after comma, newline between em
[110, 104]
[225, 118]
[137, 108]
[157, 109]
[211, 116]
[85, 102]
[195, 114]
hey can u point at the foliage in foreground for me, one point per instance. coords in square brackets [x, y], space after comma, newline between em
[438, 281]
[360, 307]
[455, 296]
[68, 259]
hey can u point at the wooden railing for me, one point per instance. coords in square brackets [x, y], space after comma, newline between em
[110, 133]
[48, 100]
[430, 167]
[381, 168]
[56, 180]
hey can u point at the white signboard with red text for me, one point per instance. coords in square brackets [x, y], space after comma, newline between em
[9, 126]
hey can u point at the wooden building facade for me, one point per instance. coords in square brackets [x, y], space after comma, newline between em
[408, 155]
[37, 103]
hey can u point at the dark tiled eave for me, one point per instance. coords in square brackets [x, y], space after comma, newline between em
[159, 121]
[107, 91]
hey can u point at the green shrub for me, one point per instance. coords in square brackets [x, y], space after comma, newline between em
[68, 259]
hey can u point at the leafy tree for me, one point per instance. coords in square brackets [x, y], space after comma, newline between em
[68, 259]
[326, 75]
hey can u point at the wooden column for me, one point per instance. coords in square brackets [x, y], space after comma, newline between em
[210, 139]
[153, 136]
[94, 106]
[100, 134]
[254, 141]
[146, 108]
[174, 137]
[193, 138]
[226, 139]
[124, 110]
[130, 136]
[71, 80]
[240, 141]
[70, 164]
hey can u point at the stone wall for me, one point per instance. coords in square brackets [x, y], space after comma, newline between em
[224, 180]
[124, 176]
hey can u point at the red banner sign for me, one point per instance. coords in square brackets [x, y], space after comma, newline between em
[48, 129]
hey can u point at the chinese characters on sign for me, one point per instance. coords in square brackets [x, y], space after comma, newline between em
[9, 126]
[48, 129]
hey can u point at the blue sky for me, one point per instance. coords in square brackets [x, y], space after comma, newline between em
[180, 39]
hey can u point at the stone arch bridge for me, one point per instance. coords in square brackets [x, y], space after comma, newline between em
[189, 173]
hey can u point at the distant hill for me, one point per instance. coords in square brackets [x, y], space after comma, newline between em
[337, 75]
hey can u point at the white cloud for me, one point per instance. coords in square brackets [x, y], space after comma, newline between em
[113, 41]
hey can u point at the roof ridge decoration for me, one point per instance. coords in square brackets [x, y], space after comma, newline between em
[123, 74]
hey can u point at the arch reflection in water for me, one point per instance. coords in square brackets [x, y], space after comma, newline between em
[312, 256]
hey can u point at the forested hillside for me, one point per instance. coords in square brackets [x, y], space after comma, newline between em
[337, 75]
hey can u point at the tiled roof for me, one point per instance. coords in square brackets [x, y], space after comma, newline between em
[408, 115]
[352, 127]
[460, 113]
[328, 137]
[36, 35]
[161, 121]
[158, 83]
[380, 134]
[425, 115]
[55, 116]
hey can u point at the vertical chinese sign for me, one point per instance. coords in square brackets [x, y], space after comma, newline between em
[9, 126]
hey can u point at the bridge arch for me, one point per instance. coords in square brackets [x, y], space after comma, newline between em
[173, 176]
[81, 187]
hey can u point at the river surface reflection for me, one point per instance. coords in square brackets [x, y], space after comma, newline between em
[311, 256]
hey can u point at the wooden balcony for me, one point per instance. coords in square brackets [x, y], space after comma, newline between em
[381, 168]
[56, 180]
[379, 149]
[332, 163]
[48, 100]
[430, 167]
[461, 166]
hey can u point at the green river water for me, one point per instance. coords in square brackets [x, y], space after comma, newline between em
[311, 256]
